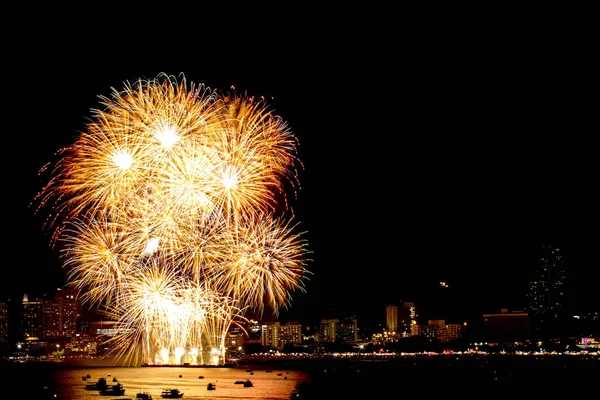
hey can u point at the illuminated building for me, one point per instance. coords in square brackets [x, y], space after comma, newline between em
[4, 321]
[83, 342]
[275, 335]
[342, 330]
[32, 319]
[103, 328]
[408, 319]
[547, 289]
[440, 330]
[391, 318]
[327, 330]
[61, 315]
[234, 341]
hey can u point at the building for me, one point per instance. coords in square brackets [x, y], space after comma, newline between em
[440, 330]
[343, 330]
[506, 327]
[346, 330]
[234, 341]
[83, 342]
[391, 318]
[327, 330]
[4, 321]
[408, 316]
[547, 290]
[103, 328]
[275, 335]
[61, 315]
[32, 319]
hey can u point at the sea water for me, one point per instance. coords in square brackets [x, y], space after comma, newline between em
[468, 376]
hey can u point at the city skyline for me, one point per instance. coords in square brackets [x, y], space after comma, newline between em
[453, 164]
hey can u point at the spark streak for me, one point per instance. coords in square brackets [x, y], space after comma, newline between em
[165, 211]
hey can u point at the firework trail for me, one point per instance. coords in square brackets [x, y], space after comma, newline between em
[165, 209]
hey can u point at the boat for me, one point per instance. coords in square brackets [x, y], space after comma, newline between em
[239, 382]
[211, 386]
[171, 394]
[143, 396]
[248, 383]
[113, 390]
[100, 384]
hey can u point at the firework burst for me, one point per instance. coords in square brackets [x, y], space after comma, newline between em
[165, 211]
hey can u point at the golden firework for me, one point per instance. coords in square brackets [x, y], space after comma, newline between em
[165, 210]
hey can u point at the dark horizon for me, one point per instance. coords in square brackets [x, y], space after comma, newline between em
[455, 301]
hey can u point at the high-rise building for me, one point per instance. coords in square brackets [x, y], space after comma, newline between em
[408, 319]
[273, 334]
[341, 330]
[346, 330]
[391, 318]
[61, 315]
[32, 319]
[547, 289]
[327, 330]
[4, 320]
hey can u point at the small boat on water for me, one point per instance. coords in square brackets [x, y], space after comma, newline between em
[171, 394]
[211, 386]
[248, 383]
[143, 396]
[113, 390]
[100, 384]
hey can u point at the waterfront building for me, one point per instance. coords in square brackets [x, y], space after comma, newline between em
[61, 315]
[408, 316]
[342, 330]
[327, 330]
[275, 335]
[4, 321]
[32, 319]
[391, 318]
[83, 343]
[234, 341]
[506, 327]
[440, 330]
[547, 293]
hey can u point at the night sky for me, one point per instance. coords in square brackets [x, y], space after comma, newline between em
[432, 151]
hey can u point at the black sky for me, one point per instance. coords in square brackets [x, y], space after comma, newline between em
[434, 149]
